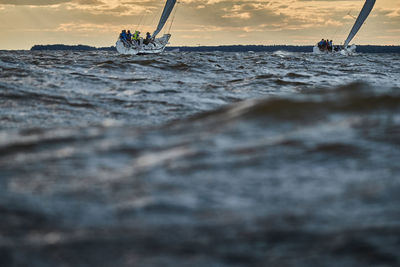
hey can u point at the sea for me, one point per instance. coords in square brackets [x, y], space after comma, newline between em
[199, 159]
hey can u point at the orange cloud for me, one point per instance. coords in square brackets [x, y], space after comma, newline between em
[223, 21]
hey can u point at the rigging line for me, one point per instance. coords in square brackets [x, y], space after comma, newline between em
[351, 15]
[327, 31]
[341, 30]
[173, 17]
[156, 15]
[140, 21]
[351, 24]
[144, 19]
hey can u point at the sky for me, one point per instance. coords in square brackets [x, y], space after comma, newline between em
[24, 23]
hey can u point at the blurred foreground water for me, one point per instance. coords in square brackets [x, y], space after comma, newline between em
[199, 159]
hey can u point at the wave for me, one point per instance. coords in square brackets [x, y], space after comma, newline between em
[103, 155]
[297, 167]
[282, 53]
[356, 97]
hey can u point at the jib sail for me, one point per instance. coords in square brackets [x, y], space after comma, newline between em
[165, 15]
[369, 4]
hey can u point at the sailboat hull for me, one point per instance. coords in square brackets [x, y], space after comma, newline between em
[156, 47]
[351, 50]
[348, 51]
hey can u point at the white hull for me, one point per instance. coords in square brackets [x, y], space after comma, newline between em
[155, 47]
[348, 51]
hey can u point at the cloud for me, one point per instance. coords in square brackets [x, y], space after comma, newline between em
[241, 15]
[217, 21]
[32, 2]
[393, 13]
[87, 28]
[88, 2]
[48, 2]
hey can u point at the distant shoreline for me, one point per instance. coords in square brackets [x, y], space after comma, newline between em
[223, 48]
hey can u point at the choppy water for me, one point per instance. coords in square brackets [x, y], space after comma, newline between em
[199, 159]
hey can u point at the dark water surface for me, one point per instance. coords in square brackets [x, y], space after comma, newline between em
[199, 159]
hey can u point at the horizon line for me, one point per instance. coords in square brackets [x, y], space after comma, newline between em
[193, 46]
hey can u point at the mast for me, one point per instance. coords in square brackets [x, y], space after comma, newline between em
[369, 4]
[164, 17]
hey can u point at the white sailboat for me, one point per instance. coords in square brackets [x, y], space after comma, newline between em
[346, 49]
[156, 45]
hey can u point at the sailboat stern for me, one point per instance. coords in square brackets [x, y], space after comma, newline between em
[162, 41]
[350, 50]
[155, 47]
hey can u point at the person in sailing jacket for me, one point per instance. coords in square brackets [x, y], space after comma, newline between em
[129, 36]
[136, 36]
[123, 36]
[321, 44]
[148, 38]
[330, 45]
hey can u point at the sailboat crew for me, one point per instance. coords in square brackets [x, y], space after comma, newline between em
[321, 44]
[364, 13]
[154, 45]
[136, 36]
[129, 36]
[330, 46]
[325, 45]
[124, 37]
[148, 38]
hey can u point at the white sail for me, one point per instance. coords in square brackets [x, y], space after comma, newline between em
[165, 15]
[369, 4]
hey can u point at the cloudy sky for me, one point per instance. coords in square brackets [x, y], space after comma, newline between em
[24, 23]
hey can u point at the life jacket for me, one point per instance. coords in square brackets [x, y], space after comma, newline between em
[135, 36]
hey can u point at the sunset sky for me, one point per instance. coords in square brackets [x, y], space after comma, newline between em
[24, 23]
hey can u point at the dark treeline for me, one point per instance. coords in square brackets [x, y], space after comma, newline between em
[378, 49]
[243, 48]
[58, 47]
[273, 48]
[225, 48]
